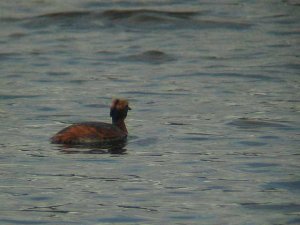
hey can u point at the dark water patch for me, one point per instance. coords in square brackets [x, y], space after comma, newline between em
[285, 33]
[95, 105]
[106, 52]
[56, 74]
[46, 211]
[269, 137]
[191, 138]
[64, 15]
[281, 45]
[222, 24]
[67, 20]
[9, 56]
[276, 15]
[212, 159]
[190, 153]
[152, 93]
[155, 15]
[186, 218]
[176, 124]
[40, 198]
[36, 52]
[152, 57]
[137, 207]
[24, 221]
[215, 188]
[10, 19]
[293, 100]
[288, 67]
[36, 155]
[45, 108]
[54, 16]
[78, 81]
[13, 76]
[259, 164]
[174, 188]
[258, 167]
[287, 185]
[213, 58]
[286, 20]
[256, 123]
[254, 77]
[9, 97]
[121, 219]
[283, 208]
[199, 133]
[295, 66]
[231, 191]
[252, 143]
[155, 155]
[45, 80]
[129, 177]
[17, 35]
[51, 208]
[134, 189]
[75, 81]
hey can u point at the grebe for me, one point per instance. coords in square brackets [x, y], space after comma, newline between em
[97, 132]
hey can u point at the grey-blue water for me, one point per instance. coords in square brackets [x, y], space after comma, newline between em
[214, 130]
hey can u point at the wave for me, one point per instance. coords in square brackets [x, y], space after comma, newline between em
[258, 77]
[152, 56]
[151, 15]
[256, 123]
[134, 19]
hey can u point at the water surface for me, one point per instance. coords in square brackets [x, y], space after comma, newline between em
[214, 130]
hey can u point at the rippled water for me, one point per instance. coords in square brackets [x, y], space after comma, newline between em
[214, 130]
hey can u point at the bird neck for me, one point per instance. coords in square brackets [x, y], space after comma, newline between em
[120, 124]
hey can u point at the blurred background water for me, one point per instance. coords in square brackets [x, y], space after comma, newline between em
[214, 130]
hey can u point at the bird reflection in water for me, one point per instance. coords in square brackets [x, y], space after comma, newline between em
[116, 147]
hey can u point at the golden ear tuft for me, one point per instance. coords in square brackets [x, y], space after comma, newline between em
[119, 103]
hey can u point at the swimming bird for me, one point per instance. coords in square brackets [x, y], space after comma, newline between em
[97, 132]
